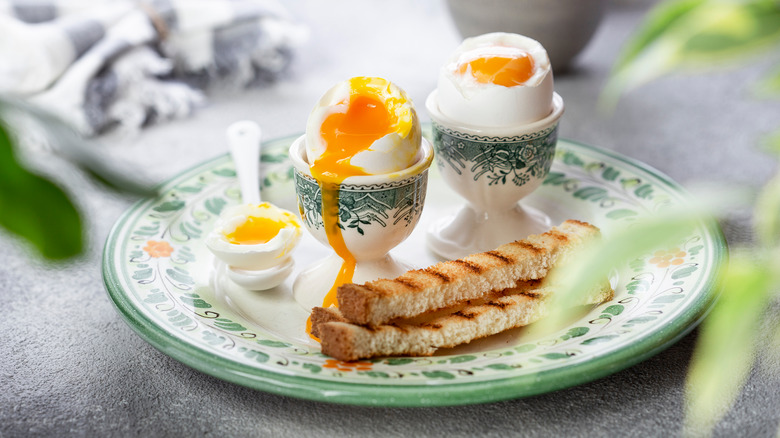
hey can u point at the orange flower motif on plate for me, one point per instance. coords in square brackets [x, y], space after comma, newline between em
[347, 366]
[158, 249]
[670, 257]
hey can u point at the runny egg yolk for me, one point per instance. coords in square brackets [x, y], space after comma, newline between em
[505, 70]
[345, 134]
[255, 230]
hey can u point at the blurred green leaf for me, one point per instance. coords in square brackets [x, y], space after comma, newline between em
[106, 173]
[769, 86]
[35, 209]
[684, 34]
[772, 143]
[773, 351]
[726, 346]
[691, 34]
[658, 21]
[83, 153]
[733, 29]
[767, 213]
[588, 268]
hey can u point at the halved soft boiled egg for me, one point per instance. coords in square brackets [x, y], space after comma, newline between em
[254, 236]
[362, 126]
[496, 80]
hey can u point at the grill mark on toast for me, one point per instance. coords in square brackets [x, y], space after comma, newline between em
[434, 326]
[465, 314]
[499, 304]
[362, 288]
[373, 289]
[440, 275]
[580, 223]
[533, 283]
[470, 266]
[529, 294]
[500, 256]
[557, 235]
[406, 282]
[529, 246]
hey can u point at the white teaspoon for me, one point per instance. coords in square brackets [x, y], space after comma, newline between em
[244, 142]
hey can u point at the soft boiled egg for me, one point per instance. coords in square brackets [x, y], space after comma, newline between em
[362, 126]
[496, 80]
[254, 236]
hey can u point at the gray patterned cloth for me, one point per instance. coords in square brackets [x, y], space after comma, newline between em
[121, 64]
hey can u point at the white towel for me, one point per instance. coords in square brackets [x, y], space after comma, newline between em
[121, 64]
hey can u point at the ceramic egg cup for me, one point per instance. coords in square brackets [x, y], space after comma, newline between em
[376, 213]
[493, 169]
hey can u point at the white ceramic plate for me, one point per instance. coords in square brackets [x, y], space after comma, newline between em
[161, 278]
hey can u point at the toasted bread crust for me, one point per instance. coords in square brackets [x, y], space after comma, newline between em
[520, 307]
[449, 282]
[321, 315]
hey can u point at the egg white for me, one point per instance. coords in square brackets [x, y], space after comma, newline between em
[466, 101]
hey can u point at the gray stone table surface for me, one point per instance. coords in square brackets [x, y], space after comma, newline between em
[70, 365]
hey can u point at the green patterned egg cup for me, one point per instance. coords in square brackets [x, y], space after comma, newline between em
[493, 169]
[375, 214]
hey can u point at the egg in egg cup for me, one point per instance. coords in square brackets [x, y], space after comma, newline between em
[495, 127]
[361, 173]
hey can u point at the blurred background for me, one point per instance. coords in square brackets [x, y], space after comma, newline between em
[70, 356]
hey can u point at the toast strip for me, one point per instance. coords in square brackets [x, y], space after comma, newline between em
[346, 341]
[321, 315]
[449, 282]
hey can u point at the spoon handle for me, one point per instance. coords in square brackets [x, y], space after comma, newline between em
[244, 141]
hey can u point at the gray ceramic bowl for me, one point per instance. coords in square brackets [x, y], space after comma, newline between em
[564, 27]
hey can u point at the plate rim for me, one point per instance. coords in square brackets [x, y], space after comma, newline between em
[435, 393]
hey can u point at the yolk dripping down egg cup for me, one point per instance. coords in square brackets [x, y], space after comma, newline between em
[494, 145]
[375, 214]
[361, 174]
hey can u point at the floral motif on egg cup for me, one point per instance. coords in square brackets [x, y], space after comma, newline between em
[493, 169]
[376, 213]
